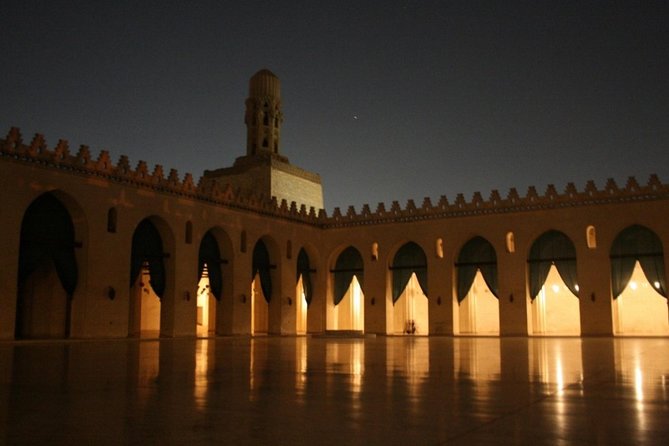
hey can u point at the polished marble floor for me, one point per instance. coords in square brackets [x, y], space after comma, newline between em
[297, 390]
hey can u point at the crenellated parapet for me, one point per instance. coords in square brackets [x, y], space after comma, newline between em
[60, 157]
[654, 189]
[13, 148]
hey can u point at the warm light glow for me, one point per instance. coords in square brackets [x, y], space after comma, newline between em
[559, 376]
[201, 371]
[301, 375]
[347, 358]
[410, 310]
[478, 313]
[149, 305]
[259, 308]
[301, 307]
[349, 313]
[640, 309]
[638, 383]
[203, 297]
[556, 312]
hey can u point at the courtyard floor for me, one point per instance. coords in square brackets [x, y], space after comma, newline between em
[324, 391]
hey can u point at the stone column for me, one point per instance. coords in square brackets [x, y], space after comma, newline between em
[440, 295]
[513, 300]
[594, 281]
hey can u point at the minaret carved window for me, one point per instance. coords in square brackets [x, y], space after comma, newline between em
[112, 217]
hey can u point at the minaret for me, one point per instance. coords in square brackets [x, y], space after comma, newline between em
[263, 170]
[263, 115]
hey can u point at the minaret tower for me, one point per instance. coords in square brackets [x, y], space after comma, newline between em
[263, 171]
[263, 115]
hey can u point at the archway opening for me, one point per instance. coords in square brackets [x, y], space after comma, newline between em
[556, 310]
[409, 291]
[210, 284]
[301, 306]
[554, 285]
[638, 283]
[205, 319]
[48, 271]
[303, 291]
[477, 311]
[261, 289]
[147, 281]
[349, 309]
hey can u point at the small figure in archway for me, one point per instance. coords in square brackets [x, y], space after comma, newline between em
[410, 327]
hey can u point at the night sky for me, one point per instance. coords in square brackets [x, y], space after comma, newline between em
[387, 100]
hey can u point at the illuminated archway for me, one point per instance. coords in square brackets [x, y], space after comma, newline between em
[638, 283]
[348, 298]
[210, 283]
[478, 306]
[303, 291]
[48, 271]
[261, 287]
[148, 279]
[409, 290]
[554, 285]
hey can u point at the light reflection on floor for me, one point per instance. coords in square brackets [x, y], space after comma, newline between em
[300, 390]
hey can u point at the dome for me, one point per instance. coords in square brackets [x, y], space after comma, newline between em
[264, 83]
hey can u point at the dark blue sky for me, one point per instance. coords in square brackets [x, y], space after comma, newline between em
[450, 97]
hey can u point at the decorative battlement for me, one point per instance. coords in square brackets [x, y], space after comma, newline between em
[532, 201]
[60, 157]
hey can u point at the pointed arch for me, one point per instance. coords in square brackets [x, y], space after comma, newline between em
[349, 264]
[262, 266]
[409, 259]
[47, 234]
[552, 248]
[210, 254]
[48, 271]
[147, 246]
[637, 243]
[304, 270]
[477, 254]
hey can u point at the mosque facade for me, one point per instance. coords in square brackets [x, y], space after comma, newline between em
[92, 248]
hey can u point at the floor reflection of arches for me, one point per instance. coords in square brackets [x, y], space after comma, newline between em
[555, 362]
[409, 359]
[640, 310]
[410, 310]
[555, 310]
[201, 385]
[346, 358]
[478, 312]
[477, 359]
[349, 312]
